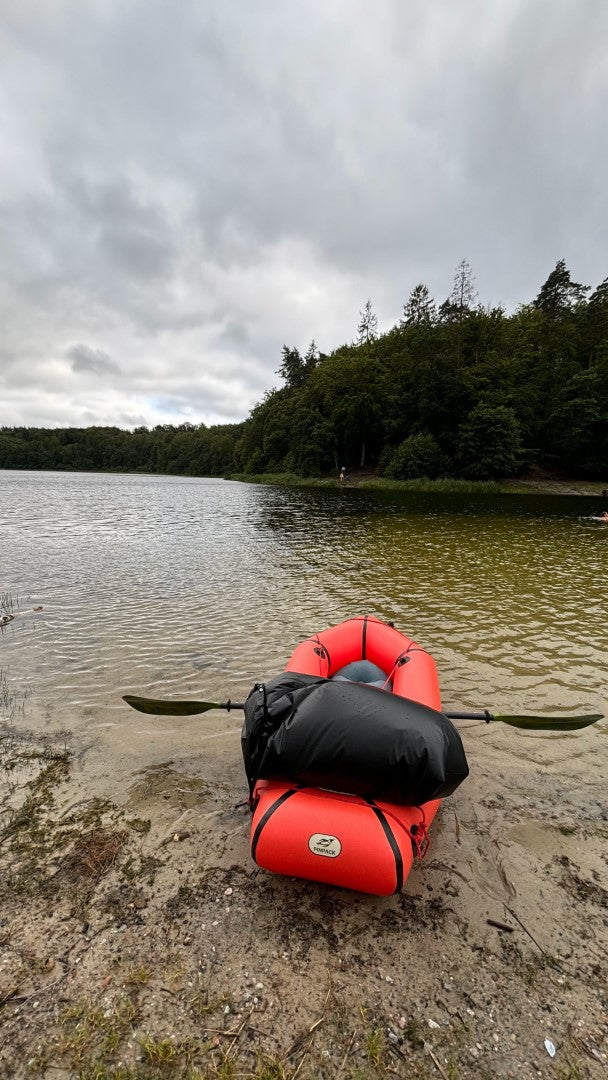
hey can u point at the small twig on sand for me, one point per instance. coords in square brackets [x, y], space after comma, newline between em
[221, 1031]
[348, 1049]
[236, 1036]
[266, 1034]
[299, 1044]
[526, 931]
[10, 995]
[302, 1060]
[435, 1061]
[500, 925]
[301, 1039]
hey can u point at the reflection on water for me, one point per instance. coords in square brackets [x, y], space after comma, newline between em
[179, 585]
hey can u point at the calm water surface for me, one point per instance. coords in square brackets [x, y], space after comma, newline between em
[179, 586]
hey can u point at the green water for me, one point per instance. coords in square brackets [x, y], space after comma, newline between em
[179, 585]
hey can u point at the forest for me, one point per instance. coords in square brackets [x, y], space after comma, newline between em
[454, 389]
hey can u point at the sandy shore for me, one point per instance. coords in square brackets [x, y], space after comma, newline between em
[138, 940]
[536, 482]
[539, 482]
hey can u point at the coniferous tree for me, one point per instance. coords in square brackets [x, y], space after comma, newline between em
[367, 329]
[559, 293]
[460, 301]
[311, 359]
[464, 293]
[420, 307]
[292, 368]
[595, 323]
[459, 304]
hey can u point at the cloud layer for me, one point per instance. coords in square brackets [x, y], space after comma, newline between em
[187, 187]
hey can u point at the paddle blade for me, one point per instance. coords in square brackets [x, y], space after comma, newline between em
[158, 707]
[550, 723]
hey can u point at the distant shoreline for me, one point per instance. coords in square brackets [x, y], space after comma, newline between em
[537, 482]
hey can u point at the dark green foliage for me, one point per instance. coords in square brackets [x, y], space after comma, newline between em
[594, 323]
[559, 293]
[489, 443]
[187, 449]
[581, 421]
[418, 455]
[457, 392]
[312, 358]
[420, 307]
[293, 369]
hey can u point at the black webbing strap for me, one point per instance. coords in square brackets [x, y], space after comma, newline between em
[390, 836]
[265, 817]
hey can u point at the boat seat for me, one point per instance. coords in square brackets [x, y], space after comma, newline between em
[363, 671]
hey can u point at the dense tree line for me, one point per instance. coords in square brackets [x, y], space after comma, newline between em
[455, 389]
[188, 449]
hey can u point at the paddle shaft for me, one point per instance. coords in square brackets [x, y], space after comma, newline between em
[139, 703]
[546, 723]
[485, 715]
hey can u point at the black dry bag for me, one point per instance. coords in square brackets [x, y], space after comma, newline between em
[350, 737]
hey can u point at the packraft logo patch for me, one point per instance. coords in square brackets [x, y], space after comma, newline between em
[323, 844]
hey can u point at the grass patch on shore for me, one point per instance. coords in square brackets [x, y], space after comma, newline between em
[445, 485]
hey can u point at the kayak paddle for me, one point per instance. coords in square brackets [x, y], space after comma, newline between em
[161, 707]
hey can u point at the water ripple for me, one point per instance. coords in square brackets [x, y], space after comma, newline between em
[192, 586]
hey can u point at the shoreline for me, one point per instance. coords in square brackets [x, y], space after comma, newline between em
[536, 484]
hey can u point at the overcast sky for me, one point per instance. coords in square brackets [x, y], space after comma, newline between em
[187, 185]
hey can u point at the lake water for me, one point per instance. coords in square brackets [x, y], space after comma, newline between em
[172, 586]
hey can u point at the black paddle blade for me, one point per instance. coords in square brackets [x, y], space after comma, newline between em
[158, 707]
[550, 723]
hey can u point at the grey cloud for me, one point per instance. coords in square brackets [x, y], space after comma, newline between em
[233, 333]
[96, 361]
[193, 192]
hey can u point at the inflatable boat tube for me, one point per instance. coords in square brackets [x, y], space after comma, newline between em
[337, 837]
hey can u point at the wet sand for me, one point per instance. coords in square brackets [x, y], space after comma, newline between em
[138, 939]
